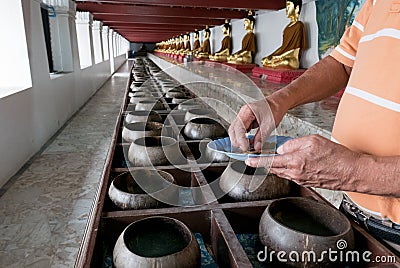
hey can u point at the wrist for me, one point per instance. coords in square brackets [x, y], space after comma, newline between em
[358, 175]
[278, 107]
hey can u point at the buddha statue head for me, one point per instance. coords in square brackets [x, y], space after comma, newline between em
[196, 34]
[226, 28]
[293, 8]
[249, 22]
[207, 33]
[186, 37]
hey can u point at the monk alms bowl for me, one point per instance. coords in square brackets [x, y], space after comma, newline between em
[203, 128]
[235, 181]
[158, 150]
[143, 116]
[303, 225]
[133, 131]
[126, 192]
[157, 242]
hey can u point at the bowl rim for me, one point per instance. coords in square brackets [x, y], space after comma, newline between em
[180, 223]
[168, 175]
[170, 139]
[304, 199]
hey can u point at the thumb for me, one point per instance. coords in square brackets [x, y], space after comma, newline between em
[257, 141]
[290, 146]
[257, 162]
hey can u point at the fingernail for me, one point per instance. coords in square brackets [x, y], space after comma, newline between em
[280, 150]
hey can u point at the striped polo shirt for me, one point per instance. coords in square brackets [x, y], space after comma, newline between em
[368, 117]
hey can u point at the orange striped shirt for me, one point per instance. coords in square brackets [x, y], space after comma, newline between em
[368, 117]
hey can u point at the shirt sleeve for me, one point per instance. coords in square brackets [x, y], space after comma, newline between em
[346, 51]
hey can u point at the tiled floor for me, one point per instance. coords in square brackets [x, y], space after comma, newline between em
[45, 209]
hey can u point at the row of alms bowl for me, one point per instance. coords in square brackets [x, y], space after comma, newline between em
[175, 243]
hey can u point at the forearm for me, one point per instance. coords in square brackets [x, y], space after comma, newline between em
[377, 175]
[320, 81]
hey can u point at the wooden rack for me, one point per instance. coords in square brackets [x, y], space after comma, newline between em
[220, 221]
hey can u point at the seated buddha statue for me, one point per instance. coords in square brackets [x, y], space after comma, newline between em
[206, 47]
[196, 44]
[171, 45]
[186, 44]
[181, 44]
[178, 45]
[226, 44]
[294, 41]
[246, 54]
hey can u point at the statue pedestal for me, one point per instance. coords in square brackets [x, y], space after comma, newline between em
[277, 75]
[180, 58]
[244, 68]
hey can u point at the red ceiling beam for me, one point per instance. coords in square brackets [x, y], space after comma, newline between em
[229, 4]
[151, 26]
[139, 40]
[147, 31]
[161, 30]
[156, 20]
[160, 11]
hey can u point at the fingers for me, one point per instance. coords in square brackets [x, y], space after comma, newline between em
[292, 145]
[237, 130]
[237, 134]
[258, 162]
[257, 141]
[278, 161]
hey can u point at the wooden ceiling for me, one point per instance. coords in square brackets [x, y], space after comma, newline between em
[156, 20]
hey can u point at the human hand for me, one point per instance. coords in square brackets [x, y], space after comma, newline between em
[312, 161]
[262, 114]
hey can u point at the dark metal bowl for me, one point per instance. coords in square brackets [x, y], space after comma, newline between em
[157, 242]
[302, 225]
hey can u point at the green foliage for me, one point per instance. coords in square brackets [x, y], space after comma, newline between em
[333, 17]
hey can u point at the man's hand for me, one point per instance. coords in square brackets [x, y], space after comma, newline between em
[312, 161]
[262, 114]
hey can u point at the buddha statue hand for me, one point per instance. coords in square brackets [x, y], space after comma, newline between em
[202, 56]
[220, 56]
[244, 57]
[287, 60]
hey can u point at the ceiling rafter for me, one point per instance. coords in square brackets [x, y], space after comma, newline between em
[157, 20]
[230, 4]
[161, 11]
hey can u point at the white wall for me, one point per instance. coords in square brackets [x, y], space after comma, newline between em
[11, 79]
[30, 117]
[268, 29]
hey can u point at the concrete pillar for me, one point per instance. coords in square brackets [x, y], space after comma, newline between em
[97, 41]
[104, 35]
[111, 35]
[84, 24]
[61, 40]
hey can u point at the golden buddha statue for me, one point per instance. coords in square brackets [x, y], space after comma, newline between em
[186, 44]
[181, 44]
[226, 44]
[171, 45]
[175, 45]
[206, 47]
[246, 54]
[196, 43]
[294, 41]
